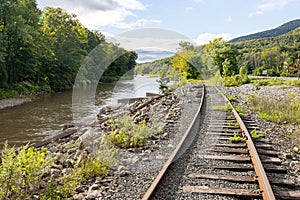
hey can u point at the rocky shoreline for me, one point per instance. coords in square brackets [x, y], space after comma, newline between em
[284, 137]
[132, 169]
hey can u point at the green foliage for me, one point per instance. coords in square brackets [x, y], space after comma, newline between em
[239, 110]
[127, 134]
[232, 124]
[286, 110]
[256, 134]
[41, 51]
[223, 55]
[231, 98]
[237, 138]
[21, 173]
[222, 108]
[163, 81]
[278, 55]
[275, 81]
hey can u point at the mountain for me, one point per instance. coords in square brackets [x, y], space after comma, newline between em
[285, 28]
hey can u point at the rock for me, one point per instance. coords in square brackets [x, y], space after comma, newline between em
[93, 195]
[67, 170]
[79, 196]
[69, 163]
[66, 126]
[59, 167]
[61, 158]
[94, 187]
[80, 189]
[55, 173]
[124, 173]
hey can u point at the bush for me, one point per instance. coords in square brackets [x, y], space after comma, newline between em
[126, 134]
[21, 173]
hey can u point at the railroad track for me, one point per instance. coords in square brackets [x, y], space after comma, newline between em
[216, 167]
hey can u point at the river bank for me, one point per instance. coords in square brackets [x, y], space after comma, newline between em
[124, 172]
[11, 102]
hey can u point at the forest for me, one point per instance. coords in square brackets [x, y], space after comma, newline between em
[42, 51]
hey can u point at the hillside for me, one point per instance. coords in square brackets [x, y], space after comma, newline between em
[285, 28]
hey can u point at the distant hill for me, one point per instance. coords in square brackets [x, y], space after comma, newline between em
[285, 28]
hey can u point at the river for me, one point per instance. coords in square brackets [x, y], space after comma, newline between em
[46, 115]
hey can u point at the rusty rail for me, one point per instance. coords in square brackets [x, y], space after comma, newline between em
[174, 155]
[263, 181]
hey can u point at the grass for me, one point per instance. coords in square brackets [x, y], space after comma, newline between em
[231, 98]
[222, 108]
[275, 81]
[237, 138]
[286, 110]
[232, 123]
[127, 134]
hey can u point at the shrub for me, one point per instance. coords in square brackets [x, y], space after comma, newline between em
[126, 134]
[21, 173]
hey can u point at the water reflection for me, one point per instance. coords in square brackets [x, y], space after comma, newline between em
[46, 114]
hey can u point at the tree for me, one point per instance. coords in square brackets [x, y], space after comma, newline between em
[223, 55]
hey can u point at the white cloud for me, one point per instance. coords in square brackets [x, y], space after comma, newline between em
[268, 5]
[258, 12]
[95, 14]
[204, 38]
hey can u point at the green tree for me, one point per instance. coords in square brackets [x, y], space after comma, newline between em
[223, 55]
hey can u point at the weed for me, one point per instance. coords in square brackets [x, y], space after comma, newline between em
[127, 134]
[232, 124]
[285, 110]
[21, 173]
[257, 134]
[231, 98]
[236, 138]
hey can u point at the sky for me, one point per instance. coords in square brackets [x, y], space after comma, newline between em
[198, 20]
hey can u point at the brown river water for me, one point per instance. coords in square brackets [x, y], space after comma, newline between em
[46, 115]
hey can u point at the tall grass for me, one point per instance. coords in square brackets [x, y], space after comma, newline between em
[286, 110]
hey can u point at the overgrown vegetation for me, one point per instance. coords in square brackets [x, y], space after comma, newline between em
[257, 134]
[30, 171]
[231, 98]
[126, 134]
[275, 81]
[21, 174]
[222, 108]
[237, 138]
[281, 111]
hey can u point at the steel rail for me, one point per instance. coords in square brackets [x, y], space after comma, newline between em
[150, 192]
[263, 181]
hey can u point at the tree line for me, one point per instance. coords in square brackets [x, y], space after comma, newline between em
[43, 50]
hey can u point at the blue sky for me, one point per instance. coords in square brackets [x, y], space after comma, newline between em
[196, 19]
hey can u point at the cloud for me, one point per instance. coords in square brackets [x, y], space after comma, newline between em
[204, 38]
[268, 5]
[95, 14]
